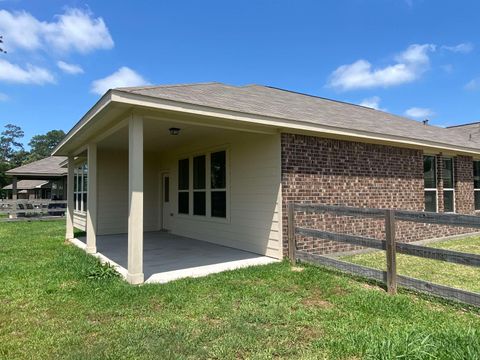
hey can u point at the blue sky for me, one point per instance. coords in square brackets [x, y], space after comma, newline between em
[414, 58]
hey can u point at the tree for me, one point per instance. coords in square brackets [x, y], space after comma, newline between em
[9, 142]
[42, 145]
[10, 147]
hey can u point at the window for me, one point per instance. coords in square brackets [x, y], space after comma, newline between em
[448, 185]
[183, 188]
[199, 186]
[219, 179]
[80, 188]
[430, 183]
[476, 183]
[208, 191]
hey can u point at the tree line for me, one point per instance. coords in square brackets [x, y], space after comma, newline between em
[13, 153]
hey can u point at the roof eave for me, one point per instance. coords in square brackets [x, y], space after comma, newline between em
[101, 104]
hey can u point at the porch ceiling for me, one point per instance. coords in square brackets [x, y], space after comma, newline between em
[157, 137]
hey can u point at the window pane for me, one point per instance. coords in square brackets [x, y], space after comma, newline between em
[74, 201]
[85, 201]
[199, 172]
[218, 170]
[477, 200]
[219, 204]
[448, 201]
[183, 174]
[75, 181]
[199, 203]
[429, 172]
[431, 201]
[183, 202]
[166, 189]
[447, 173]
[476, 174]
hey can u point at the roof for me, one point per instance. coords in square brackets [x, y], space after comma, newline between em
[47, 167]
[27, 184]
[284, 107]
[469, 131]
[270, 101]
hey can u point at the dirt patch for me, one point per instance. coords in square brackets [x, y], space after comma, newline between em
[315, 300]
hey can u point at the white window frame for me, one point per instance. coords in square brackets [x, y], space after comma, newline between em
[208, 186]
[79, 173]
[452, 189]
[431, 189]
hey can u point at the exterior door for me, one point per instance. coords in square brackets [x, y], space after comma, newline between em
[166, 209]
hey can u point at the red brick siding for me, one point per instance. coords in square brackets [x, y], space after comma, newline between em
[327, 171]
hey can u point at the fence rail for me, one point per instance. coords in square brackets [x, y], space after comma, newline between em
[391, 247]
[35, 207]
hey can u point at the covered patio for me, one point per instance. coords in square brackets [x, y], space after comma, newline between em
[189, 194]
[168, 257]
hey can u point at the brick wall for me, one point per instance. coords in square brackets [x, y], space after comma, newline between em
[327, 171]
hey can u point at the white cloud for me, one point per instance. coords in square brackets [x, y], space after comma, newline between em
[70, 68]
[372, 102]
[409, 66]
[74, 30]
[419, 113]
[473, 84]
[120, 78]
[4, 97]
[463, 48]
[30, 75]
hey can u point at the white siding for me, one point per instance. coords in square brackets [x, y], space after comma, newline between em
[113, 192]
[80, 221]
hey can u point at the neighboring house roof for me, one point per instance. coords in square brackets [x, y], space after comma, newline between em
[27, 184]
[282, 108]
[47, 167]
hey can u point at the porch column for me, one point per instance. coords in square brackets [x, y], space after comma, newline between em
[70, 202]
[14, 198]
[91, 199]
[135, 200]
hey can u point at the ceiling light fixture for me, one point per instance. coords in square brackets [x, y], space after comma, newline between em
[174, 131]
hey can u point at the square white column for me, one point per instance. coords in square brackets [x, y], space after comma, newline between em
[135, 204]
[70, 203]
[91, 199]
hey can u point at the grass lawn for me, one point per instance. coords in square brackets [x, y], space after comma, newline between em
[52, 308]
[459, 276]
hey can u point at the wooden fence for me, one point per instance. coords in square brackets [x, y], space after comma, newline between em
[32, 208]
[391, 247]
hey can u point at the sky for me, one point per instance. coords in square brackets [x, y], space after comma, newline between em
[415, 58]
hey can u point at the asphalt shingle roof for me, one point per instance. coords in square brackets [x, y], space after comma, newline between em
[49, 166]
[284, 104]
[27, 184]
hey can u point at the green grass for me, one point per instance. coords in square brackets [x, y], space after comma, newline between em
[55, 305]
[439, 272]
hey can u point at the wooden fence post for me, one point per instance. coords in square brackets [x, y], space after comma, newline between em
[391, 252]
[291, 233]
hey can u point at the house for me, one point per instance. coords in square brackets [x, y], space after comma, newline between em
[219, 163]
[30, 189]
[42, 179]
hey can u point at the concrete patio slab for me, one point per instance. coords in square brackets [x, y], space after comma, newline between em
[168, 257]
